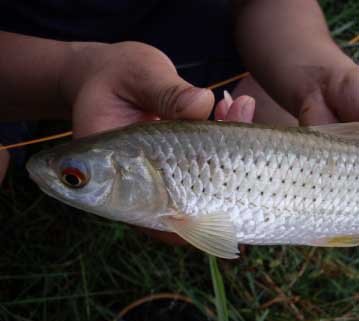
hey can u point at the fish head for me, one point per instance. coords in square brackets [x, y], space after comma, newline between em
[80, 177]
[118, 184]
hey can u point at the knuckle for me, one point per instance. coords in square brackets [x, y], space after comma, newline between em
[169, 100]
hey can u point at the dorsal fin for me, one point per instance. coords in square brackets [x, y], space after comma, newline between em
[349, 131]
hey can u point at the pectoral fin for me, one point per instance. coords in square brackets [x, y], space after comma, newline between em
[338, 241]
[213, 233]
[349, 131]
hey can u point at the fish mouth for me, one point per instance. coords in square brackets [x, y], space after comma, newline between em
[39, 170]
[33, 167]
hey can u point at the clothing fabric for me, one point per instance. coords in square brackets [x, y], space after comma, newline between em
[196, 35]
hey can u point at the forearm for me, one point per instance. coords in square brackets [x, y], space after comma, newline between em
[30, 69]
[285, 44]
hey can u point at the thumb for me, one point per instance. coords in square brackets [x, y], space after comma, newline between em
[176, 99]
[314, 111]
[156, 88]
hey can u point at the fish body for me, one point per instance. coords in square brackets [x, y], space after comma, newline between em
[216, 184]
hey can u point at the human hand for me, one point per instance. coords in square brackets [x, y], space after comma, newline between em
[334, 97]
[116, 85]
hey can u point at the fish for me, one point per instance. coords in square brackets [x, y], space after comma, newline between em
[215, 184]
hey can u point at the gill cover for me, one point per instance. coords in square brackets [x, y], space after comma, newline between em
[140, 188]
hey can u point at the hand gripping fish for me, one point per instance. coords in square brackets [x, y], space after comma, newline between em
[216, 184]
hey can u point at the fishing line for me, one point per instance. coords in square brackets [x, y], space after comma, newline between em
[228, 81]
[34, 141]
[66, 134]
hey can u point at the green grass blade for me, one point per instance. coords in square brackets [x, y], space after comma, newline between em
[219, 290]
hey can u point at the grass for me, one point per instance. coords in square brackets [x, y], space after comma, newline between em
[219, 290]
[57, 263]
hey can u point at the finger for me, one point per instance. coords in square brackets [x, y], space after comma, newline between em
[221, 110]
[267, 111]
[315, 111]
[242, 110]
[223, 106]
[344, 96]
[173, 98]
[156, 88]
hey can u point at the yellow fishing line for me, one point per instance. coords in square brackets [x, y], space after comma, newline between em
[35, 141]
[61, 135]
[227, 81]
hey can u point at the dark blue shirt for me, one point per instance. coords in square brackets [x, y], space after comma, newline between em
[189, 31]
[93, 20]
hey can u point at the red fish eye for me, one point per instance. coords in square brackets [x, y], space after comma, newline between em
[73, 177]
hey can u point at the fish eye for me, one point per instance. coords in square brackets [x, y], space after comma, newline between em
[74, 174]
[73, 177]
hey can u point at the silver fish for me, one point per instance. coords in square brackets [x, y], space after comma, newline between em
[216, 184]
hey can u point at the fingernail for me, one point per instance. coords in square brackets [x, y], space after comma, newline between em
[195, 103]
[227, 98]
[189, 96]
[248, 102]
[248, 106]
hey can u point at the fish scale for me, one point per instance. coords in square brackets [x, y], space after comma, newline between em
[265, 179]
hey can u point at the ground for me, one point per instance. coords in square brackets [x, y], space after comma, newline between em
[60, 264]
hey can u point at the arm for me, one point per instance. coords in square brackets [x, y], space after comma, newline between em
[286, 45]
[30, 70]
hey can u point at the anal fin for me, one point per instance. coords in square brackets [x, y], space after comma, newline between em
[338, 241]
